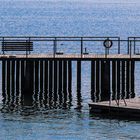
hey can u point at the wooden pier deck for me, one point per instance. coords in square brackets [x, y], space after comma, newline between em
[70, 56]
[130, 110]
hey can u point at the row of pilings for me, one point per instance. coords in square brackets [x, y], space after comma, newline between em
[50, 81]
[112, 80]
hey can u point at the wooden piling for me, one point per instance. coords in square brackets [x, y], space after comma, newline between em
[29, 77]
[78, 76]
[55, 80]
[65, 80]
[17, 76]
[114, 79]
[105, 80]
[3, 81]
[97, 80]
[8, 80]
[123, 79]
[46, 82]
[28, 83]
[12, 75]
[41, 75]
[50, 80]
[132, 79]
[93, 97]
[36, 86]
[79, 84]
[118, 81]
[70, 80]
[22, 69]
[127, 78]
[60, 82]
[17, 80]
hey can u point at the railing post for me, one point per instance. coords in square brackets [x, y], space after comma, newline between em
[119, 45]
[54, 47]
[3, 44]
[130, 48]
[81, 47]
[134, 46]
[26, 48]
[105, 52]
[29, 44]
[128, 45]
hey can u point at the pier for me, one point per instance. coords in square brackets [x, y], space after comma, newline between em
[40, 68]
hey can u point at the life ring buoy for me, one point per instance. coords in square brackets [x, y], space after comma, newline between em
[108, 43]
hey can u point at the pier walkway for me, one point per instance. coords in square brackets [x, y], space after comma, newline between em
[71, 56]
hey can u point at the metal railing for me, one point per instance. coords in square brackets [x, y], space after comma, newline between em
[79, 45]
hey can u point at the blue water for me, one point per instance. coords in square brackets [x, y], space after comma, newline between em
[68, 18]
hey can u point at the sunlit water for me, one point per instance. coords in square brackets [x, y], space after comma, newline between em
[79, 18]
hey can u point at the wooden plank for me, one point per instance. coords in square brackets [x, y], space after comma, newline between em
[70, 56]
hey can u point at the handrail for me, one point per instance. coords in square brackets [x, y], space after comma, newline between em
[130, 41]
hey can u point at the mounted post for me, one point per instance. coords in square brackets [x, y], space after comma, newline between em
[119, 46]
[130, 48]
[107, 44]
[54, 47]
[134, 46]
[3, 45]
[81, 47]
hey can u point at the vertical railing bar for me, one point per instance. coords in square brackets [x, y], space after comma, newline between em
[26, 47]
[130, 48]
[54, 47]
[128, 45]
[119, 46]
[3, 45]
[134, 46]
[29, 45]
[81, 47]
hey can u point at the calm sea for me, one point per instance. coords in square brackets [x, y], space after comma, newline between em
[68, 18]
